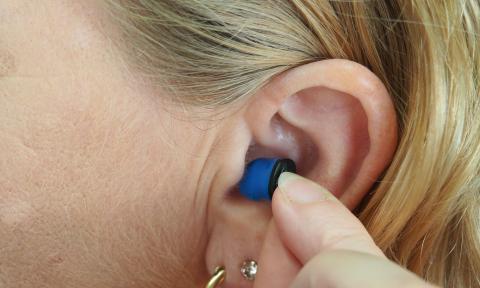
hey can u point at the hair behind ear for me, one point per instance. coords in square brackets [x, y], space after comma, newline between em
[428, 202]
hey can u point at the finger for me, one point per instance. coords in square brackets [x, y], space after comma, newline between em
[350, 269]
[310, 220]
[277, 267]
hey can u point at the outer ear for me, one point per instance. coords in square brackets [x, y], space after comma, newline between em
[336, 119]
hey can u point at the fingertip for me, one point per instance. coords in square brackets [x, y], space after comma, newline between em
[286, 177]
[300, 190]
[310, 221]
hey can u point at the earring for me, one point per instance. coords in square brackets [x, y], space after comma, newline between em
[217, 278]
[249, 269]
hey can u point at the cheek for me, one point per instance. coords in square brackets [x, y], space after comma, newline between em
[94, 182]
[93, 177]
[15, 212]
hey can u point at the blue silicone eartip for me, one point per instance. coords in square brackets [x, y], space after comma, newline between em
[261, 176]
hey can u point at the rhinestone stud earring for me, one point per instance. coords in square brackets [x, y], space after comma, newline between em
[249, 269]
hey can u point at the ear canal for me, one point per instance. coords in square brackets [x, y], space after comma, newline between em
[260, 178]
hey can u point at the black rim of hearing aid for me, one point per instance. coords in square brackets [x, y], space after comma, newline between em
[282, 165]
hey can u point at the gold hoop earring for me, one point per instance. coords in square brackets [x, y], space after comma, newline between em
[217, 278]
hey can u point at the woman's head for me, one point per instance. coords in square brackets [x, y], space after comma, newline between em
[126, 125]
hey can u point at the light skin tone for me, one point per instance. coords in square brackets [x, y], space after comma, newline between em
[329, 244]
[104, 183]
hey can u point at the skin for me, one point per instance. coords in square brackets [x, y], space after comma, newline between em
[329, 244]
[94, 169]
[106, 183]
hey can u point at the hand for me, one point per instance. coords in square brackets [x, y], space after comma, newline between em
[320, 243]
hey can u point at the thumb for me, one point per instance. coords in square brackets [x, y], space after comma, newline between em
[310, 220]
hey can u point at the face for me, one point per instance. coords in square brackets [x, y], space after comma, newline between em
[100, 179]
[104, 182]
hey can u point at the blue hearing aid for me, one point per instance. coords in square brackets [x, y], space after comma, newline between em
[261, 177]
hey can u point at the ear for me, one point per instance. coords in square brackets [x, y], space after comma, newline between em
[335, 118]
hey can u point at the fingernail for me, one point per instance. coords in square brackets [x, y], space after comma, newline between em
[301, 190]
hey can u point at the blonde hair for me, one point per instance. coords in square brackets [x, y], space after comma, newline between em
[424, 212]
